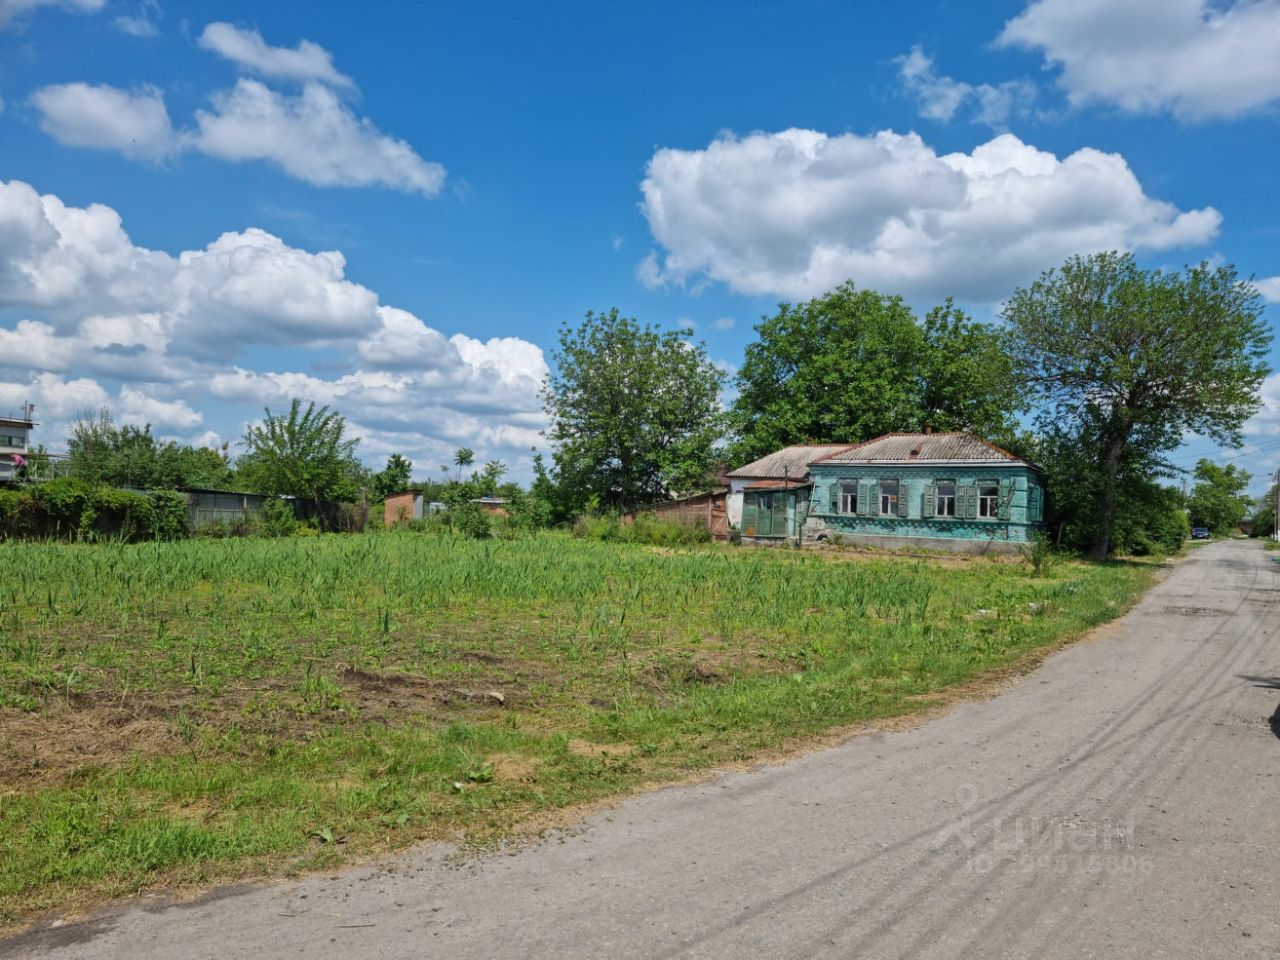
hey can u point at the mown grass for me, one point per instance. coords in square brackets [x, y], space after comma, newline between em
[207, 709]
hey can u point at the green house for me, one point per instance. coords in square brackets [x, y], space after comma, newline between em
[948, 491]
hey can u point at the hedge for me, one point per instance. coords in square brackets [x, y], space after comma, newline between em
[73, 509]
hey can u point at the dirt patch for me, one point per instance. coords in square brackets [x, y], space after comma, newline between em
[97, 729]
[584, 748]
[43, 747]
[514, 768]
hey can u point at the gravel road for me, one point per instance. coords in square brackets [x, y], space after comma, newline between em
[1123, 800]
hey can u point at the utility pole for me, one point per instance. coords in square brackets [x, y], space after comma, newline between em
[1275, 510]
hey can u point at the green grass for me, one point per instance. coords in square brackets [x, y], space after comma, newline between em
[208, 709]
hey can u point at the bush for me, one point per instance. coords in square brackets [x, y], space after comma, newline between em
[645, 528]
[242, 526]
[277, 519]
[351, 518]
[169, 514]
[73, 509]
[468, 520]
[1038, 552]
[1155, 524]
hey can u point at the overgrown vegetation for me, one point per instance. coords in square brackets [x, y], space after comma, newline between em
[103, 453]
[644, 528]
[73, 509]
[198, 709]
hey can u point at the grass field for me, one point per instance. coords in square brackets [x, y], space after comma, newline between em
[208, 709]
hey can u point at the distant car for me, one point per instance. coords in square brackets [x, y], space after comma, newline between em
[1199, 533]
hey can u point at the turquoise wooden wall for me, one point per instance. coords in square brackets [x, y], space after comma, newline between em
[914, 481]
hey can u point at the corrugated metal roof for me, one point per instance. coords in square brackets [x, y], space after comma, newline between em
[787, 463]
[924, 448]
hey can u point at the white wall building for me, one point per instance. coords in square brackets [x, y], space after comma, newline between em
[15, 433]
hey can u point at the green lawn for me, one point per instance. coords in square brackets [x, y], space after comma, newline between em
[208, 709]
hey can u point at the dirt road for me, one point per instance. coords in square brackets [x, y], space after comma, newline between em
[1121, 801]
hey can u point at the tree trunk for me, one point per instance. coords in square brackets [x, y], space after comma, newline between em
[1107, 499]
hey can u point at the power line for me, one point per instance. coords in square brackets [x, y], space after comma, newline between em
[1270, 446]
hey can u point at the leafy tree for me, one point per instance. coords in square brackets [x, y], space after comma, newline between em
[1150, 516]
[634, 411]
[547, 489]
[1151, 519]
[966, 378]
[1131, 360]
[1264, 513]
[853, 364]
[392, 478]
[303, 453]
[103, 452]
[1219, 500]
[463, 457]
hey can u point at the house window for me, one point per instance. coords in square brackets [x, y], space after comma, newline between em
[848, 498]
[888, 497]
[988, 499]
[945, 506]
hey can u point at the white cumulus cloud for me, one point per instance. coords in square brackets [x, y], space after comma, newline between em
[1269, 287]
[798, 212]
[940, 97]
[1199, 59]
[245, 47]
[99, 320]
[133, 122]
[313, 136]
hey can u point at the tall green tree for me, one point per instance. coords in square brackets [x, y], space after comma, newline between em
[463, 457]
[853, 364]
[634, 411]
[965, 378]
[1219, 499]
[304, 453]
[1133, 360]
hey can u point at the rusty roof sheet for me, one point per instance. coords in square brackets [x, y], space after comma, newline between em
[924, 448]
[777, 485]
[788, 463]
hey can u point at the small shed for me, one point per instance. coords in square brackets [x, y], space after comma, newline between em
[205, 507]
[402, 507]
[497, 506]
[700, 509]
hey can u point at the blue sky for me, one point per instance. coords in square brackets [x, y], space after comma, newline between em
[208, 208]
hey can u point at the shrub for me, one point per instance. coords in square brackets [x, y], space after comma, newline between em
[1038, 552]
[468, 520]
[169, 514]
[351, 518]
[277, 519]
[71, 508]
[645, 528]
